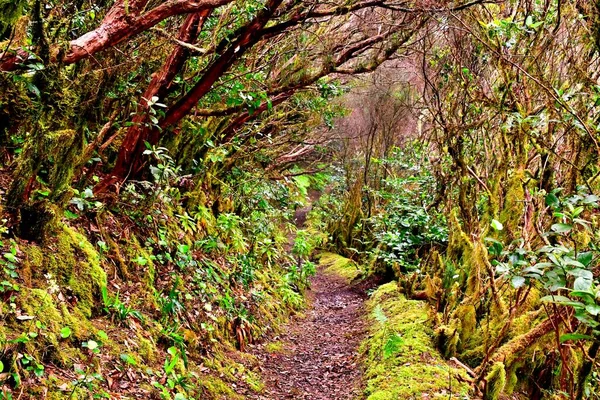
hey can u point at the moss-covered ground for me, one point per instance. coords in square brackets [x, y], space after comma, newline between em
[106, 313]
[341, 266]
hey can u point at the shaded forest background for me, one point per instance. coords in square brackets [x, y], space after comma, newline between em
[153, 154]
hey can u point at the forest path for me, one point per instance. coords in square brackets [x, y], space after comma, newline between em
[316, 357]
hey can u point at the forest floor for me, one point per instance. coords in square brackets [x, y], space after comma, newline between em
[317, 357]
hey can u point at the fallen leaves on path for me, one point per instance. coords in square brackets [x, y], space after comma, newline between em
[320, 350]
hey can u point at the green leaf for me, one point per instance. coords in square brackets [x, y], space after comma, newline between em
[517, 281]
[70, 214]
[90, 344]
[585, 258]
[141, 260]
[502, 268]
[102, 335]
[533, 271]
[591, 199]
[584, 317]
[593, 309]
[561, 228]
[128, 359]
[561, 300]
[497, 225]
[33, 89]
[583, 273]
[170, 364]
[574, 263]
[392, 345]
[552, 200]
[379, 314]
[11, 257]
[574, 336]
[1, 366]
[582, 284]
[584, 294]
[577, 211]
[38, 370]
[495, 247]
[65, 332]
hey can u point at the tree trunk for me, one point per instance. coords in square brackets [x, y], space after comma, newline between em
[122, 22]
[141, 131]
[130, 160]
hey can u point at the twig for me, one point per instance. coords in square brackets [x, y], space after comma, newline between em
[181, 43]
[463, 366]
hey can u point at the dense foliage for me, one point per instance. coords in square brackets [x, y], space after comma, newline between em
[153, 155]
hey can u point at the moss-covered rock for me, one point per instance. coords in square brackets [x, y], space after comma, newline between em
[72, 263]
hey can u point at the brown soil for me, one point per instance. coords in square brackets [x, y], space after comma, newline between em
[320, 349]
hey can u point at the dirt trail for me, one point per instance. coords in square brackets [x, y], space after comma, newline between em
[318, 359]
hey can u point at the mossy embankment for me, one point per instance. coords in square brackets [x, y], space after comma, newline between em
[400, 358]
[160, 303]
[343, 267]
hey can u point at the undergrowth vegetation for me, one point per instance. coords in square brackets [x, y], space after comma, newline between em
[154, 298]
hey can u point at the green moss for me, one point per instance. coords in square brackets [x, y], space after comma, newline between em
[448, 338]
[469, 256]
[341, 266]
[275, 347]
[42, 305]
[216, 389]
[416, 368]
[468, 324]
[58, 152]
[146, 349]
[512, 210]
[84, 274]
[254, 382]
[385, 292]
[511, 379]
[495, 382]
[71, 263]
[474, 268]
[145, 272]
[458, 241]
[10, 12]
